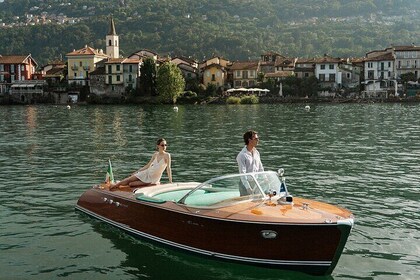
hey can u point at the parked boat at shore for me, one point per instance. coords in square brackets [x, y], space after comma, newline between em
[249, 218]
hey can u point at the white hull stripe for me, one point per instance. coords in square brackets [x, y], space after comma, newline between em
[205, 252]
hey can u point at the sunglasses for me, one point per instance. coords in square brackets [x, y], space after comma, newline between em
[163, 145]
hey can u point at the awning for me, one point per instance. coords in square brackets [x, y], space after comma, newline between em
[248, 89]
[259, 89]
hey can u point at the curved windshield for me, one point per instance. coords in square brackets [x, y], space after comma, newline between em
[231, 189]
[269, 182]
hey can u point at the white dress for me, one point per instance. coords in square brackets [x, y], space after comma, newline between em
[152, 174]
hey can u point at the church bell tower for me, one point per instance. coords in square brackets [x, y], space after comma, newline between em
[112, 43]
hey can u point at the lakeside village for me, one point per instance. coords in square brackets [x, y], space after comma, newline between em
[93, 76]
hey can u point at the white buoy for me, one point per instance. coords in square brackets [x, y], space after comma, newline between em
[307, 107]
[175, 108]
[68, 107]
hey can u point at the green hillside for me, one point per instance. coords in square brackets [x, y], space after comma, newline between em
[235, 29]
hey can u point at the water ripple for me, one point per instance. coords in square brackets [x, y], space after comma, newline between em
[363, 157]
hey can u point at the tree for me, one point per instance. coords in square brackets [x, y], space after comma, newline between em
[291, 86]
[148, 77]
[408, 77]
[260, 77]
[272, 85]
[229, 28]
[169, 83]
[211, 90]
[310, 86]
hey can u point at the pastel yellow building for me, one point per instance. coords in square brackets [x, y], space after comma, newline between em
[81, 62]
[214, 74]
[214, 71]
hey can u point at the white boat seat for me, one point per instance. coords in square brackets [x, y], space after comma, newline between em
[167, 192]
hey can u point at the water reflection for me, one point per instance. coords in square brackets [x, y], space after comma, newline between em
[119, 133]
[99, 126]
[31, 114]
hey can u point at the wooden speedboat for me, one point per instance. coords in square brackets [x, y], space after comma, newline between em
[249, 218]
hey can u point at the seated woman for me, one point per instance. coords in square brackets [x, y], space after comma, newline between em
[151, 173]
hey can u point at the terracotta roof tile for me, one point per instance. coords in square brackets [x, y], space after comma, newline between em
[13, 59]
[122, 61]
[305, 61]
[244, 65]
[386, 56]
[55, 63]
[114, 60]
[407, 48]
[356, 59]
[186, 59]
[327, 59]
[144, 50]
[284, 61]
[57, 71]
[86, 51]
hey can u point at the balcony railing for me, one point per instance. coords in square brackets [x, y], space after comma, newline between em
[380, 68]
[377, 77]
[408, 67]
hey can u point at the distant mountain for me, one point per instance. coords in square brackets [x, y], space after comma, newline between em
[235, 29]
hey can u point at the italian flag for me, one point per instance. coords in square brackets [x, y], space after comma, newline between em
[109, 178]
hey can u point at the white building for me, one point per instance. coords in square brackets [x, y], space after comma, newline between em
[407, 59]
[328, 72]
[379, 74]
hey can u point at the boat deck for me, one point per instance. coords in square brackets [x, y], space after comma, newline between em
[302, 210]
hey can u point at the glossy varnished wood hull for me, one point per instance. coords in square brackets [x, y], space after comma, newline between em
[309, 247]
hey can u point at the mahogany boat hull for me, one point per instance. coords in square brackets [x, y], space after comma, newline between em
[312, 248]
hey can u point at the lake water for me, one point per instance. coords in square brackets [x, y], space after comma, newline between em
[364, 157]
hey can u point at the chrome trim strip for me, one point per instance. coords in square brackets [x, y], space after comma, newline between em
[347, 222]
[204, 252]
